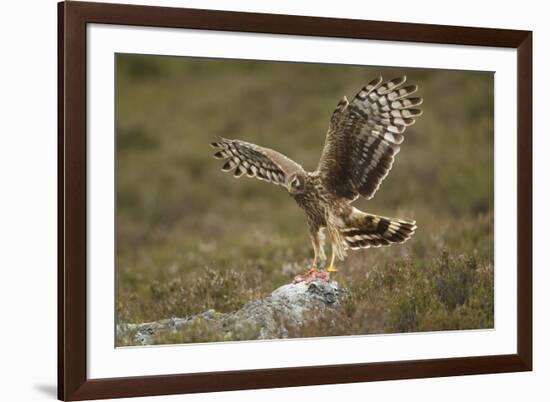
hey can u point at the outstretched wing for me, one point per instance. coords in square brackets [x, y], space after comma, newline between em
[364, 136]
[254, 161]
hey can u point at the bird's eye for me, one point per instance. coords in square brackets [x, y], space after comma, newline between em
[295, 182]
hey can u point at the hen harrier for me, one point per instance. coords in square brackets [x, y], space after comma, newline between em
[363, 138]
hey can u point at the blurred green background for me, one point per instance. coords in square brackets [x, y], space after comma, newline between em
[192, 238]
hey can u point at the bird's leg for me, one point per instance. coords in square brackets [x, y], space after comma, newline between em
[319, 253]
[331, 267]
[316, 247]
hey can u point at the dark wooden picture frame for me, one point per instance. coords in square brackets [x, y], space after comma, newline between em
[73, 383]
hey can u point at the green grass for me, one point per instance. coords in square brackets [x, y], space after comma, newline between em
[191, 238]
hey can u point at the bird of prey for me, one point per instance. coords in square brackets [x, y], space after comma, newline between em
[362, 140]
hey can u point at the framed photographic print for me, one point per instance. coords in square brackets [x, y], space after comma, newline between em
[252, 200]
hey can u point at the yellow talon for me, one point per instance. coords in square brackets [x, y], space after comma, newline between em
[332, 269]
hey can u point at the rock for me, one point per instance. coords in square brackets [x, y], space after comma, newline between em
[270, 317]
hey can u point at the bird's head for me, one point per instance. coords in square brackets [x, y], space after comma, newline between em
[296, 183]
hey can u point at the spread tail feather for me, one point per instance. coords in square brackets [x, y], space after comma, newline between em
[367, 230]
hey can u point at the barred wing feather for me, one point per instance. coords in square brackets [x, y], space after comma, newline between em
[364, 136]
[263, 163]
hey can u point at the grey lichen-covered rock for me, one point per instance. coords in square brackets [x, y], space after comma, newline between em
[271, 317]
